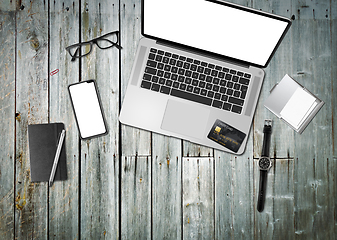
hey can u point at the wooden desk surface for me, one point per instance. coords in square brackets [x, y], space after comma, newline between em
[134, 184]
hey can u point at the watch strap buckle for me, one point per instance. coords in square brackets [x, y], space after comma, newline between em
[268, 122]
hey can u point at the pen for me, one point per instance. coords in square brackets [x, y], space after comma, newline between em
[56, 159]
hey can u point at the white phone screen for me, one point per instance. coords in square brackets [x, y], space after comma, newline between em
[87, 109]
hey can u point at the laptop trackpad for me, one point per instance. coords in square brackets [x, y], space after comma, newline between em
[186, 119]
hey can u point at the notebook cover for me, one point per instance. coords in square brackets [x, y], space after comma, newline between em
[43, 140]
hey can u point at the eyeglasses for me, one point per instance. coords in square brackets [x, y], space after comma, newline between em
[104, 42]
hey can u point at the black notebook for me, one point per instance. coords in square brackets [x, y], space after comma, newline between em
[43, 140]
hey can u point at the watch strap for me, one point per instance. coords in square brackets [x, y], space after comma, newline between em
[262, 190]
[266, 140]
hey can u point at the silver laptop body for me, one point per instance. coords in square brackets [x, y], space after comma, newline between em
[190, 81]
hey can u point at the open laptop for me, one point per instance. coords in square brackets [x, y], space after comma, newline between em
[198, 72]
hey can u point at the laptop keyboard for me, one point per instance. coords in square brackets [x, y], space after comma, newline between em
[195, 80]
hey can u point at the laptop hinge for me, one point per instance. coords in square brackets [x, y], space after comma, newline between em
[202, 53]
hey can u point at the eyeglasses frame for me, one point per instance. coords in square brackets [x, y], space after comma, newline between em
[91, 42]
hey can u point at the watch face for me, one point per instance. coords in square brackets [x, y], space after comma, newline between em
[264, 163]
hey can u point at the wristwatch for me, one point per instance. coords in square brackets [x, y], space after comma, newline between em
[265, 164]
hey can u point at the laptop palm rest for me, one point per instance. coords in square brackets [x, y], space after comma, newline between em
[185, 119]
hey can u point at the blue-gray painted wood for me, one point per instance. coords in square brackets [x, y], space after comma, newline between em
[99, 162]
[7, 126]
[32, 106]
[133, 184]
[64, 196]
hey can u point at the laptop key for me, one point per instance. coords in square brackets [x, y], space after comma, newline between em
[236, 94]
[243, 94]
[162, 81]
[147, 77]
[228, 77]
[236, 109]
[150, 70]
[247, 75]
[244, 81]
[210, 94]
[235, 101]
[232, 71]
[191, 96]
[207, 71]
[145, 84]
[155, 87]
[165, 90]
[217, 104]
[159, 58]
[168, 83]
[182, 86]
[217, 96]
[152, 56]
[175, 84]
[151, 63]
[227, 106]
[196, 90]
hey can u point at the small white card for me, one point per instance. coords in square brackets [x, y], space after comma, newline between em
[298, 107]
[293, 103]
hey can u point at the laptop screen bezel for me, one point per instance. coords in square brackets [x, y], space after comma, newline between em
[227, 58]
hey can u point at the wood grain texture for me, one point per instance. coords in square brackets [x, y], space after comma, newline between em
[136, 160]
[10, 5]
[136, 198]
[166, 185]
[134, 141]
[312, 63]
[32, 107]
[7, 126]
[134, 184]
[99, 162]
[198, 198]
[235, 194]
[64, 195]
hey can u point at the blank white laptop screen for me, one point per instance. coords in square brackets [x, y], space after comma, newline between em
[213, 27]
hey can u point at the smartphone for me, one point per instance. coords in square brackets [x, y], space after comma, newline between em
[88, 109]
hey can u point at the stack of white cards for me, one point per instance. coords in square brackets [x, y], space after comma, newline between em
[293, 103]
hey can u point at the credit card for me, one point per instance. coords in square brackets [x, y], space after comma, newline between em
[226, 135]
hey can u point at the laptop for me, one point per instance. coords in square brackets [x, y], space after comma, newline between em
[198, 70]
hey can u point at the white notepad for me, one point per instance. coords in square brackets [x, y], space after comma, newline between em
[293, 103]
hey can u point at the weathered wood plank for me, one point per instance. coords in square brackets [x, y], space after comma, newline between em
[64, 195]
[136, 198]
[277, 217]
[134, 141]
[99, 213]
[198, 198]
[278, 211]
[312, 68]
[234, 194]
[7, 127]
[301, 195]
[9, 5]
[333, 168]
[136, 158]
[166, 187]
[31, 199]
